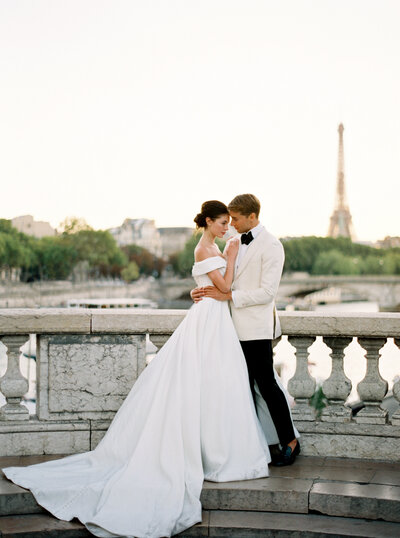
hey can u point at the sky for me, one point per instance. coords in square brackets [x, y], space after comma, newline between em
[144, 109]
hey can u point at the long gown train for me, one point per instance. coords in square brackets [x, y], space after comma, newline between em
[189, 417]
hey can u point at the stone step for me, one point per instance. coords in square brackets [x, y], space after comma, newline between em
[240, 524]
[334, 498]
[39, 526]
[274, 494]
[370, 501]
[16, 501]
[223, 524]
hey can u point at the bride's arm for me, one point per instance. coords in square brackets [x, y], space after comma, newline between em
[224, 283]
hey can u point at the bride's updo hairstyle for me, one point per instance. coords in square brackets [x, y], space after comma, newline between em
[212, 209]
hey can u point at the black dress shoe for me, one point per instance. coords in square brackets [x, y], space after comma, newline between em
[287, 455]
[275, 453]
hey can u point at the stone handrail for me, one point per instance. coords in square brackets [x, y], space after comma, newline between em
[87, 361]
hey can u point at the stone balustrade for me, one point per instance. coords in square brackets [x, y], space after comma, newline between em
[87, 361]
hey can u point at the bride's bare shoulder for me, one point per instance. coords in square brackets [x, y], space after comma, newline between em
[201, 253]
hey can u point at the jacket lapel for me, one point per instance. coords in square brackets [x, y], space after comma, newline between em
[250, 252]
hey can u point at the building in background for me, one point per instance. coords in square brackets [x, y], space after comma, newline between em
[27, 225]
[389, 242]
[141, 232]
[173, 239]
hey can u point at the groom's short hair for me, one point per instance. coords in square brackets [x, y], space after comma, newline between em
[245, 204]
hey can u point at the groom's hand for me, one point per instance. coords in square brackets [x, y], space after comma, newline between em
[215, 293]
[197, 294]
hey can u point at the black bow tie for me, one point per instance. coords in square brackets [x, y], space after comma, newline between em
[246, 239]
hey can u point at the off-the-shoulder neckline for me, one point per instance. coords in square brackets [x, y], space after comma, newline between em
[210, 258]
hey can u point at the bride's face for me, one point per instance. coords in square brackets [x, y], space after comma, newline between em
[219, 226]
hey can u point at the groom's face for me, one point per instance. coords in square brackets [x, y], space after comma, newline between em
[242, 223]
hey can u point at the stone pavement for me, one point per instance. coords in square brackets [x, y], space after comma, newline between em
[315, 497]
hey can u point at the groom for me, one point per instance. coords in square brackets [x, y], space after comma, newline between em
[258, 271]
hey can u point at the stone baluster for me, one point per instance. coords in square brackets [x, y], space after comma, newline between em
[141, 357]
[302, 385]
[276, 342]
[278, 367]
[338, 386]
[13, 384]
[372, 389]
[159, 340]
[396, 393]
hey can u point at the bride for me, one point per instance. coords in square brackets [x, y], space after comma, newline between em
[190, 416]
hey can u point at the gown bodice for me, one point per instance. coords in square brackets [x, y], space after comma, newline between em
[200, 270]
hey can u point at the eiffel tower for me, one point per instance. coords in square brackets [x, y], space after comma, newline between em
[341, 222]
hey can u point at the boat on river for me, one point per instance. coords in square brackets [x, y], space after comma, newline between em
[135, 302]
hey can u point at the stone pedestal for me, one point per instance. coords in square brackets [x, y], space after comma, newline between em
[349, 440]
[33, 437]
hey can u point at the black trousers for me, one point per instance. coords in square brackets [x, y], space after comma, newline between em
[259, 358]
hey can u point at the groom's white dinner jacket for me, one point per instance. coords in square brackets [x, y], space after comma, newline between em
[255, 286]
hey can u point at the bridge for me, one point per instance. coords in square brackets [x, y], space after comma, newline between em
[384, 290]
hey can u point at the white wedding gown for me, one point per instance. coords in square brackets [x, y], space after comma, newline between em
[189, 417]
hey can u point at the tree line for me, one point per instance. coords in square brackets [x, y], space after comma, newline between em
[96, 253]
[316, 256]
[339, 256]
[77, 246]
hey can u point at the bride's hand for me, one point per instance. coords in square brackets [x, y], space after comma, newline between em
[232, 249]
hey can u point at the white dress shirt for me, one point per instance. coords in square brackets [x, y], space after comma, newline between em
[243, 248]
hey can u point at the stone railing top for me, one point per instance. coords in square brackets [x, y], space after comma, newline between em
[87, 321]
[379, 324]
[127, 321]
[44, 320]
[359, 279]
